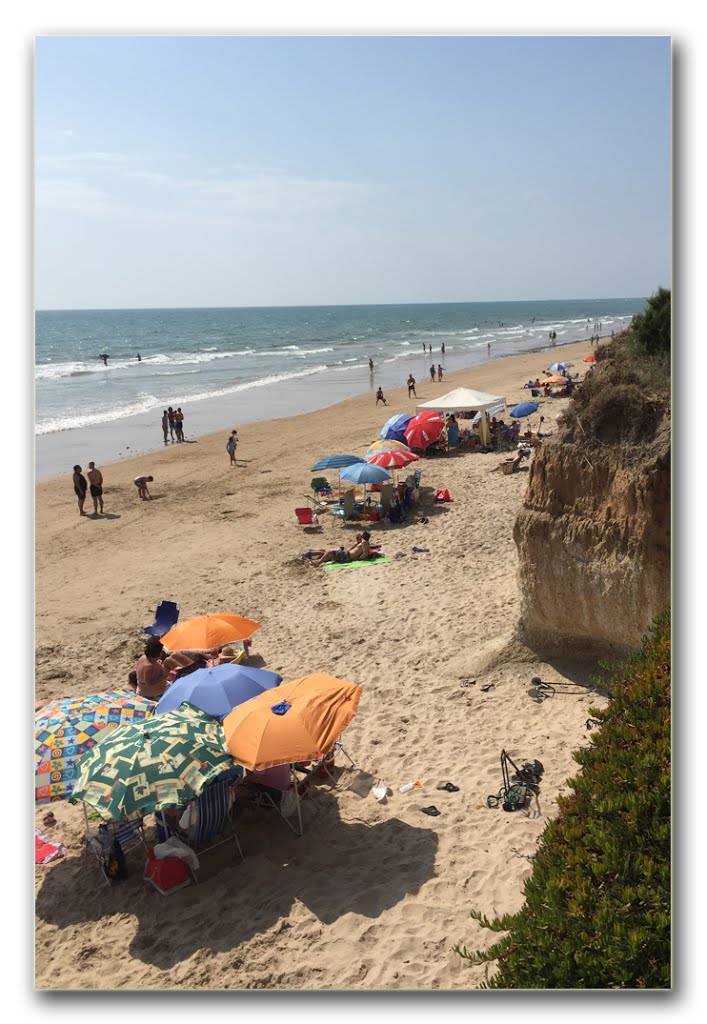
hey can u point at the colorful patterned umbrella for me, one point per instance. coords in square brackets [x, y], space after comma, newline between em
[203, 632]
[162, 762]
[299, 721]
[394, 459]
[67, 728]
[559, 367]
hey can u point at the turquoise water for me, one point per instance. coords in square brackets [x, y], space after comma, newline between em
[245, 356]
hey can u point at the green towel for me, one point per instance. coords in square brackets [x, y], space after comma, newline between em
[354, 565]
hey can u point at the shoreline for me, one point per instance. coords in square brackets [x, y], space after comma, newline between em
[134, 436]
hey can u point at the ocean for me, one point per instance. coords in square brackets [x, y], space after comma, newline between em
[231, 366]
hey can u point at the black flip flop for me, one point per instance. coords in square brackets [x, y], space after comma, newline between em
[431, 810]
[449, 786]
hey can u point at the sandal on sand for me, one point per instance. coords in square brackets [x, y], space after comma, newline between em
[449, 787]
[431, 810]
[49, 819]
[486, 686]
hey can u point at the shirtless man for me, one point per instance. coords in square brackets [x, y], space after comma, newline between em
[411, 386]
[358, 552]
[141, 483]
[153, 670]
[95, 479]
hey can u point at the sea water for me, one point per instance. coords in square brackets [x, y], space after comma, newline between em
[230, 366]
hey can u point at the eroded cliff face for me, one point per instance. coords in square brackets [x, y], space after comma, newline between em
[593, 540]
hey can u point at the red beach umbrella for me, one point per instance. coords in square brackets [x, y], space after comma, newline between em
[421, 433]
[428, 414]
[590, 359]
[393, 459]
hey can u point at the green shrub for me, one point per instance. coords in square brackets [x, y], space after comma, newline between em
[597, 905]
[650, 330]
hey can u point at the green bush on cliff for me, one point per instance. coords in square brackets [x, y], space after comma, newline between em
[597, 910]
[650, 330]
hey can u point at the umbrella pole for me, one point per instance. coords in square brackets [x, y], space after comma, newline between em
[85, 820]
[299, 811]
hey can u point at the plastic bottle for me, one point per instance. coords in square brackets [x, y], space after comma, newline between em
[410, 785]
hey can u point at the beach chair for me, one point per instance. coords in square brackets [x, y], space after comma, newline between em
[213, 825]
[320, 485]
[386, 496]
[346, 508]
[307, 517]
[166, 615]
[110, 842]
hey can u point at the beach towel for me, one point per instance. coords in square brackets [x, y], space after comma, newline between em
[328, 566]
[44, 849]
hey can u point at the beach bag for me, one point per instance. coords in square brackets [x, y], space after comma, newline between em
[442, 496]
[166, 874]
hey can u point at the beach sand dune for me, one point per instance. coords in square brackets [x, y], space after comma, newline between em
[374, 895]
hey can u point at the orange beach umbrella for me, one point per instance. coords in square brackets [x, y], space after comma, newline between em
[590, 359]
[299, 722]
[202, 632]
[555, 380]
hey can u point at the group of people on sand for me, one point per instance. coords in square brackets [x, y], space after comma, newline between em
[439, 371]
[173, 423]
[94, 482]
[155, 669]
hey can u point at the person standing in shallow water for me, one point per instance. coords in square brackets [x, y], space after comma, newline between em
[165, 425]
[170, 421]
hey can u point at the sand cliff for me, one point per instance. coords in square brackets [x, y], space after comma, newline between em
[593, 533]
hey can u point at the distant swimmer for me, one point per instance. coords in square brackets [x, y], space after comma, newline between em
[370, 365]
[139, 358]
[488, 349]
[104, 358]
[442, 349]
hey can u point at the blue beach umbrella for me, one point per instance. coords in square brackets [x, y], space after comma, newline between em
[524, 409]
[394, 428]
[559, 367]
[218, 690]
[336, 462]
[365, 473]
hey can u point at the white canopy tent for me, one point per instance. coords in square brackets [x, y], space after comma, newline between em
[468, 400]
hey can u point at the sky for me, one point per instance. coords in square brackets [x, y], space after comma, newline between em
[178, 170]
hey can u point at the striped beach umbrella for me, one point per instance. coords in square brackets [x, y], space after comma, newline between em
[394, 459]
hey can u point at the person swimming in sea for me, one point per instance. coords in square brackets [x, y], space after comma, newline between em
[104, 358]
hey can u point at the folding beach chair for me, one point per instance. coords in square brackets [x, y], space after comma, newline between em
[307, 517]
[213, 823]
[111, 842]
[320, 485]
[166, 615]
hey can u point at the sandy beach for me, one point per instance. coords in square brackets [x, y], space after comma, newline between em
[374, 895]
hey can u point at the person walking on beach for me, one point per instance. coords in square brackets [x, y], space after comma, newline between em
[170, 420]
[80, 488]
[165, 425]
[439, 372]
[231, 446]
[95, 478]
[432, 371]
[380, 397]
[141, 483]
[411, 386]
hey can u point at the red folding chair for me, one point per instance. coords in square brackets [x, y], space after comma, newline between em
[306, 517]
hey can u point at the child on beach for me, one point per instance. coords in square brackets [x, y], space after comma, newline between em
[231, 446]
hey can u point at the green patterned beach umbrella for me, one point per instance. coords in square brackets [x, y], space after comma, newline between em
[164, 761]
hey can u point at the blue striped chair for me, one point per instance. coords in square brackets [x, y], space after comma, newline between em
[128, 834]
[214, 823]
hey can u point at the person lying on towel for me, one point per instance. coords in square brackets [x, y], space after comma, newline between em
[359, 552]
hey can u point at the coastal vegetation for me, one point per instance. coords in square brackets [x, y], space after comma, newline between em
[597, 905]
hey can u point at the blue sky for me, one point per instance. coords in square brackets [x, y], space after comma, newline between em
[198, 171]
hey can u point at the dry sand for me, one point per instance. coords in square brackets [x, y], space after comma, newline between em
[373, 895]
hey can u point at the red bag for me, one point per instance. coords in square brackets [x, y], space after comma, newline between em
[443, 496]
[167, 875]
